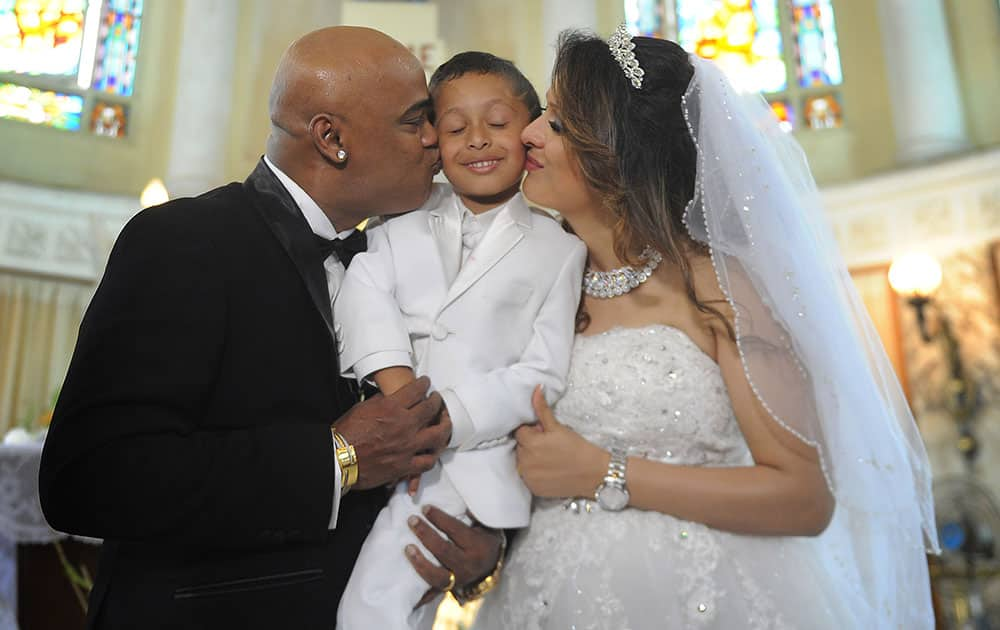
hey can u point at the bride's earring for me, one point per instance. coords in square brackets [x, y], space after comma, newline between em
[341, 155]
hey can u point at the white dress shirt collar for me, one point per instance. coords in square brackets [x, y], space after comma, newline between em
[485, 219]
[319, 223]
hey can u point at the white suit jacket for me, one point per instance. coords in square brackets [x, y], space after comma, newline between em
[505, 325]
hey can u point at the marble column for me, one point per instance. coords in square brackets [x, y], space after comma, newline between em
[203, 96]
[559, 15]
[923, 85]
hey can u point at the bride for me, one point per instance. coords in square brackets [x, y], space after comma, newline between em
[733, 450]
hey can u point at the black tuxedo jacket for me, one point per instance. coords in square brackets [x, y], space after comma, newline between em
[192, 431]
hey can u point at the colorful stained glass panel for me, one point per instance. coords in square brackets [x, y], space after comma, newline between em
[645, 17]
[822, 112]
[114, 66]
[41, 36]
[108, 119]
[817, 56]
[786, 116]
[40, 107]
[742, 36]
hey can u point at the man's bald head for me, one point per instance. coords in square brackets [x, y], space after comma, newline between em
[349, 123]
[332, 70]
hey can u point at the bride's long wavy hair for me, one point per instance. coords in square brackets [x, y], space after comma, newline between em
[633, 146]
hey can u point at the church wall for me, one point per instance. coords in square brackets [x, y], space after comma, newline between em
[863, 147]
[975, 36]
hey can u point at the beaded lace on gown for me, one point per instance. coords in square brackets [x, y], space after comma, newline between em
[652, 391]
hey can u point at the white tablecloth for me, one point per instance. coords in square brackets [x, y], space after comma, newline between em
[21, 519]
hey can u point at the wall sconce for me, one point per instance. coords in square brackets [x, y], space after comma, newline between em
[154, 194]
[916, 277]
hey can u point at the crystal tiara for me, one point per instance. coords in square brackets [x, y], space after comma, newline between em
[621, 47]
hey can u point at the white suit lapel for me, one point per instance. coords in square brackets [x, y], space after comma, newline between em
[506, 231]
[446, 227]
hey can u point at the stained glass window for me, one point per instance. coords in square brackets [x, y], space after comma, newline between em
[108, 119]
[40, 107]
[786, 116]
[114, 65]
[818, 60]
[645, 17]
[786, 49]
[742, 36]
[41, 36]
[822, 112]
[67, 61]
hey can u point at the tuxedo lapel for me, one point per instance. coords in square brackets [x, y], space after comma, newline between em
[285, 220]
[446, 227]
[506, 231]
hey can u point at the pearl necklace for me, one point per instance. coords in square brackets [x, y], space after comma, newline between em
[609, 284]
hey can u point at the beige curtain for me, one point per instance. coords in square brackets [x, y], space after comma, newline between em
[39, 320]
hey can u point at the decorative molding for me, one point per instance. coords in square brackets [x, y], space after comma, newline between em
[937, 208]
[59, 233]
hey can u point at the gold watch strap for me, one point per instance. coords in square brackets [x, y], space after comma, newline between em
[471, 593]
[347, 459]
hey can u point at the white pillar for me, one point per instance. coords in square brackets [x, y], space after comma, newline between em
[559, 15]
[923, 86]
[200, 130]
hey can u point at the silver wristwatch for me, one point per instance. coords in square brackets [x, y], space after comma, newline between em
[612, 495]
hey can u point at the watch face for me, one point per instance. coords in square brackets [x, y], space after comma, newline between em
[612, 498]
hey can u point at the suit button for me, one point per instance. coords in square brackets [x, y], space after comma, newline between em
[439, 332]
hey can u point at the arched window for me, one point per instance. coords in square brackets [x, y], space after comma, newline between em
[785, 49]
[69, 64]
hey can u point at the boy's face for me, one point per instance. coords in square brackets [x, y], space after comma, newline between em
[479, 124]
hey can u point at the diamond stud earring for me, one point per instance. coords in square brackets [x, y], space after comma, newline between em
[341, 155]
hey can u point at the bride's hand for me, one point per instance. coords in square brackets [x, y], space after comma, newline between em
[554, 460]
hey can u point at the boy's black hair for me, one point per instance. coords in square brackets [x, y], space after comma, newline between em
[476, 62]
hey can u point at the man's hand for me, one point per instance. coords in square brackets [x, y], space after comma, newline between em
[414, 483]
[471, 553]
[396, 436]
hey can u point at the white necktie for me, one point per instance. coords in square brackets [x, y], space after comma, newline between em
[472, 233]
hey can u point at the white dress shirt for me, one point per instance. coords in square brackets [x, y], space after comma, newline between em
[461, 422]
[321, 225]
[484, 219]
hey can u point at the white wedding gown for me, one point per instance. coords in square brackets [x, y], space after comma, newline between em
[652, 391]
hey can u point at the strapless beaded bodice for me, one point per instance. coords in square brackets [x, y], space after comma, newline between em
[653, 392]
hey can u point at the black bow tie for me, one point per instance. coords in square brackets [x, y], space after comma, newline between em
[344, 248]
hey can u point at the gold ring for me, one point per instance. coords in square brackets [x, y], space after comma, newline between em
[451, 582]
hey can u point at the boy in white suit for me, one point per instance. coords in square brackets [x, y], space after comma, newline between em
[479, 292]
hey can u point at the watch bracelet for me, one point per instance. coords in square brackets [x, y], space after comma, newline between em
[615, 477]
[347, 459]
[471, 593]
[617, 465]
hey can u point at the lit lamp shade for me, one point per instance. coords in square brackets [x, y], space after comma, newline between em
[154, 193]
[915, 275]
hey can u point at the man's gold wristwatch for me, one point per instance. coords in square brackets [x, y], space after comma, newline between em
[471, 593]
[347, 459]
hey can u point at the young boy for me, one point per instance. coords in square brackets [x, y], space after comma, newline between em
[477, 291]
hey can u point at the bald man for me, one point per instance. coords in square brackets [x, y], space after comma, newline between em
[203, 430]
